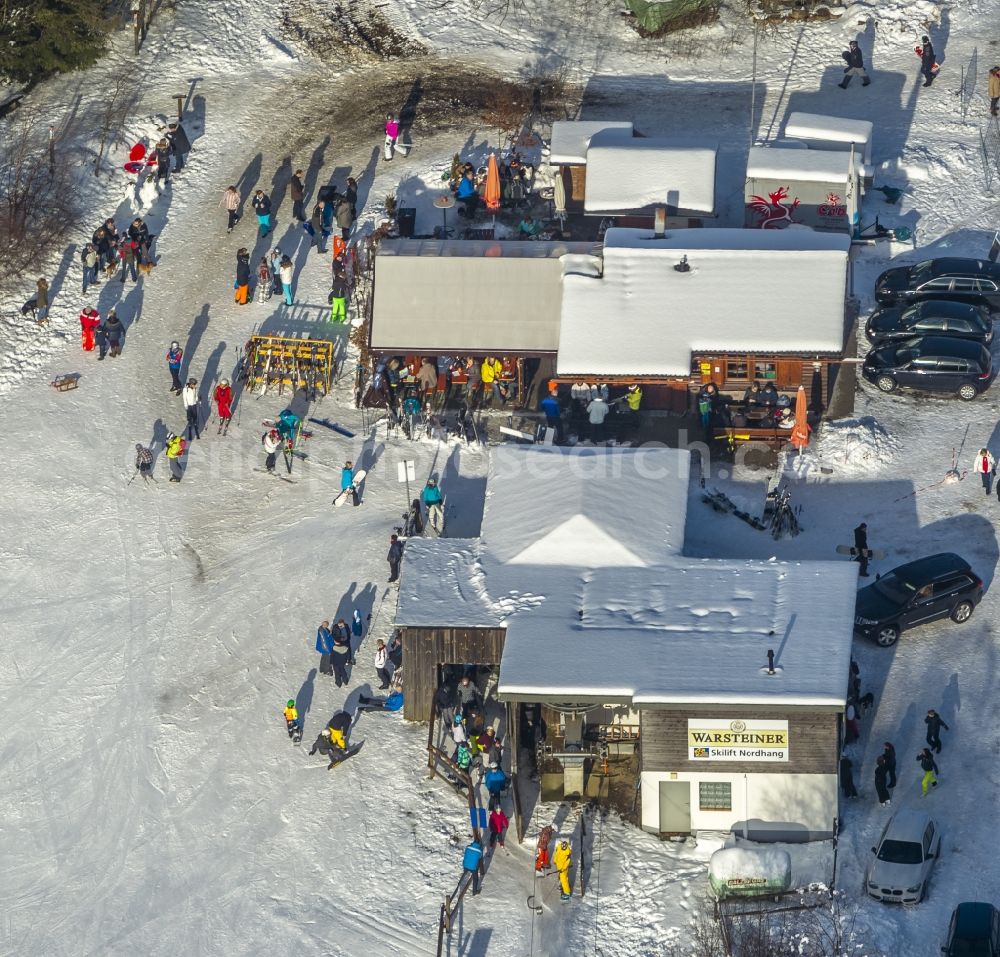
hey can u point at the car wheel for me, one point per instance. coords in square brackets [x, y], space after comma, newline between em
[962, 612]
[886, 383]
[967, 392]
[887, 636]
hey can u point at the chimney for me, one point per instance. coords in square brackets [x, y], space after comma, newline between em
[659, 222]
[770, 661]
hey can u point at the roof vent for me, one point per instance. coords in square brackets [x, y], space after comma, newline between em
[683, 265]
[770, 661]
[659, 222]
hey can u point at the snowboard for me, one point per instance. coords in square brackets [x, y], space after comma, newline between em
[875, 554]
[326, 423]
[359, 477]
[349, 753]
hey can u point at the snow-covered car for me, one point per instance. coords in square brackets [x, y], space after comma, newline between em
[931, 364]
[966, 280]
[974, 931]
[902, 860]
[935, 318]
[939, 586]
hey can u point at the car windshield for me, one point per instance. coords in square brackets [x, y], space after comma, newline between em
[900, 852]
[922, 271]
[970, 948]
[896, 589]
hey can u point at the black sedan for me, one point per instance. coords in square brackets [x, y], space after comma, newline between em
[940, 317]
[931, 364]
[940, 586]
[974, 931]
[976, 281]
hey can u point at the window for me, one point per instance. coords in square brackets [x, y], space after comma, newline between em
[950, 585]
[928, 839]
[930, 324]
[736, 369]
[951, 365]
[966, 285]
[986, 285]
[765, 370]
[715, 796]
[937, 285]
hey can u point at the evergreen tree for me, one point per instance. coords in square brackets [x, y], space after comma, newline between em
[41, 37]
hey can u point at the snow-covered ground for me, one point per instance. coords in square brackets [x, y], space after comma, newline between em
[151, 635]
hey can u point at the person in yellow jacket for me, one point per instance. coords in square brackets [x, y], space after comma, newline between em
[292, 721]
[633, 399]
[490, 371]
[176, 448]
[563, 860]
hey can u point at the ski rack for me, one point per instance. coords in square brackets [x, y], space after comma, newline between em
[298, 363]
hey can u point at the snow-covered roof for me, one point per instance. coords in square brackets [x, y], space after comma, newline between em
[837, 129]
[746, 290]
[581, 560]
[455, 296]
[801, 166]
[642, 173]
[570, 138]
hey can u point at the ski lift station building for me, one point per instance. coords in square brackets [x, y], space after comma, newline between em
[650, 668]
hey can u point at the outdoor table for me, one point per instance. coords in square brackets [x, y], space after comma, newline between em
[444, 202]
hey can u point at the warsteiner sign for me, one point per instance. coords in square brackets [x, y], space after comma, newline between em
[726, 739]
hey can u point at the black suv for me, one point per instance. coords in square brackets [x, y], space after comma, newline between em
[932, 364]
[940, 586]
[938, 317]
[974, 931]
[965, 280]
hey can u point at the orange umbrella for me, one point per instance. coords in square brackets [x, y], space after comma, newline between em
[491, 196]
[800, 431]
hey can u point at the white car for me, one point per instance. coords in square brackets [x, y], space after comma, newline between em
[903, 858]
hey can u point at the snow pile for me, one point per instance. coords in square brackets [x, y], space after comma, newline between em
[736, 863]
[861, 445]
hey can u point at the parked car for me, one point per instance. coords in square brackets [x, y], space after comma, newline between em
[932, 364]
[901, 866]
[943, 317]
[939, 586]
[974, 931]
[966, 280]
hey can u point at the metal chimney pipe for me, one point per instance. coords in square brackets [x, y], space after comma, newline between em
[770, 661]
[659, 222]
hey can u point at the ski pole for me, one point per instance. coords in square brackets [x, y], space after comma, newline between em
[131, 480]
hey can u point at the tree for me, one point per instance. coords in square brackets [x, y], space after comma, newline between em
[39, 38]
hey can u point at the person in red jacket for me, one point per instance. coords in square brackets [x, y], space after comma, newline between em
[223, 396]
[498, 827]
[90, 319]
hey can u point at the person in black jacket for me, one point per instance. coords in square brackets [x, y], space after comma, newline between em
[341, 656]
[139, 232]
[163, 162]
[934, 726]
[889, 756]
[847, 778]
[298, 192]
[262, 207]
[861, 544]
[243, 276]
[180, 145]
[394, 557]
[880, 786]
[930, 769]
[927, 61]
[855, 65]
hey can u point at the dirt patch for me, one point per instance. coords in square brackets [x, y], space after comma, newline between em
[350, 30]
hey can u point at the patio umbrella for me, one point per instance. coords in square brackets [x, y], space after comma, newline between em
[800, 431]
[559, 196]
[491, 195]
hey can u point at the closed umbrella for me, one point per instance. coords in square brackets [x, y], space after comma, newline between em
[559, 195]
[491, 195]
[800, 431]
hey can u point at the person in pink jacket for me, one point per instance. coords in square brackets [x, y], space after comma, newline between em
[391, 134]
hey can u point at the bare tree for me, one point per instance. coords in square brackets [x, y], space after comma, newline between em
[115, 109]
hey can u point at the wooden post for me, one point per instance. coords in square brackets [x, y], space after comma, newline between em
[431, 748]
[179, 97]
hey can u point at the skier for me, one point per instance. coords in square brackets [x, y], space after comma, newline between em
[162, 162]
[342, 655]
[391, 135]
[855, 65]
[597, 412]
[113, 331]
[498, 827]
[847, 787]
[414, 520]
[861, 544]
[381, 663]
[930, 769]
[176, 449]
[264, 283]
[242, 284]
[286, 270]
[190, 398]
[434, 501]
[928, 65]
[881, 788]
[993, 89]
[271, 442]
[90, 321]
[174, 356]
[262, 207]
[324, 645]
[472, 859]
[495, 781]
[144, 461]
[889, 756]
[288, 423]
[934, 725]
[347, 483]
[298, 192]
[232, 200]
[394, 557]
[338, 296]
[293, 723]
[986, 466]
[223, 396]
[542, 848]
[563, 860]
[463, 756]
[180, 145]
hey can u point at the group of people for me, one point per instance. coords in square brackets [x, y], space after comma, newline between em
[469, 186]
[404, 385]
[561, 858]
[929, 67]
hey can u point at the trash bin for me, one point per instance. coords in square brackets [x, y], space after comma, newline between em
[407, 220]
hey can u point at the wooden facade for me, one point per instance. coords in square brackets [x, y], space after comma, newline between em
[426, 649]
[734, 371]
[813, 741]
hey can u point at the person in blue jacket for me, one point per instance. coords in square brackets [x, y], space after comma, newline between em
[174, 357]
[434, 501]
[287, 423]
[347, 482]
[466, 193]
[324, 645]
[472, 861]
[550, 408]
[495, 781]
